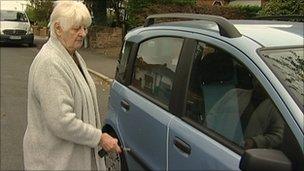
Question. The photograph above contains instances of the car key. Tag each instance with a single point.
(103, 152)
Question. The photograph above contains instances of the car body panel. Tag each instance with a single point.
(161, 141)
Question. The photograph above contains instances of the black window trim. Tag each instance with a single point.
(130, 63)
(183, 71)
(117, 77)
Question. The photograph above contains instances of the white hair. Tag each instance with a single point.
(69, 14)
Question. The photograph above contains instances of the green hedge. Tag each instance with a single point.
(283, 8)
(250, 10)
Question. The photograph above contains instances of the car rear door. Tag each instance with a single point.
(142, 106)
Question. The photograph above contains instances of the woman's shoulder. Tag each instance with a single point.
(47, 62)
(48, 57)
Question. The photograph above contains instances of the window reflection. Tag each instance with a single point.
(288, 65)
(155, 67)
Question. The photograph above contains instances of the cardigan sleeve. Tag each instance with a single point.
(54, 91)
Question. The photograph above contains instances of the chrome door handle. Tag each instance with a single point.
(125, 105)
(181, 145)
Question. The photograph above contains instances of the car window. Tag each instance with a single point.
(13, 16)
(123, 61)
(287, 64)
(155, 65)
(225, 98)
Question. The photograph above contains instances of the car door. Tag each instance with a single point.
(143, 106)
(227, 108)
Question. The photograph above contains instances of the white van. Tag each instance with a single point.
(15, 27)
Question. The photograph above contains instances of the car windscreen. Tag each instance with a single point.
(288, 66)
(7, 15)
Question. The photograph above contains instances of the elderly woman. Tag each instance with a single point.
(64, 128)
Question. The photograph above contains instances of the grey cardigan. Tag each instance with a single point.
(63, 118)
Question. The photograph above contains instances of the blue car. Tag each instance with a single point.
(207, 93)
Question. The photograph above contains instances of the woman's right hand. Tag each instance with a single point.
(109, 143)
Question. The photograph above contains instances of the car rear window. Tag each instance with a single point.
(288, 65)
(13, 16)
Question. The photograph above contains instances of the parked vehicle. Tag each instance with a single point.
(209, 94)
(15, 28)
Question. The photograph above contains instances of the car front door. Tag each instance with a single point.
(228, 107)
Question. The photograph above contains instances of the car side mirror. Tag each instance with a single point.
(265, 159)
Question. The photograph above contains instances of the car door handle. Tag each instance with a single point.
(125, 105)
(184, 147)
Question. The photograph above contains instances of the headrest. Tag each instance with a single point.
(217, 67)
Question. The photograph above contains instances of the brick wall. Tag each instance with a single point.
(105, 37)
(40, 31)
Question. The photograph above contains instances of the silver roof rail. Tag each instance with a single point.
(226, 28)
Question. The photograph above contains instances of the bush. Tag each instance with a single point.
(30, 11)
(283, 8)
(39, 11)
(250, 10)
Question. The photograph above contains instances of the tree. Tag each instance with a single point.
(119, 11)
(98, 9)
(39, 11)
(283, 8)
(133, 6)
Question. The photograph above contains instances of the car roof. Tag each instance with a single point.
(272, 33)
(265, 33)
